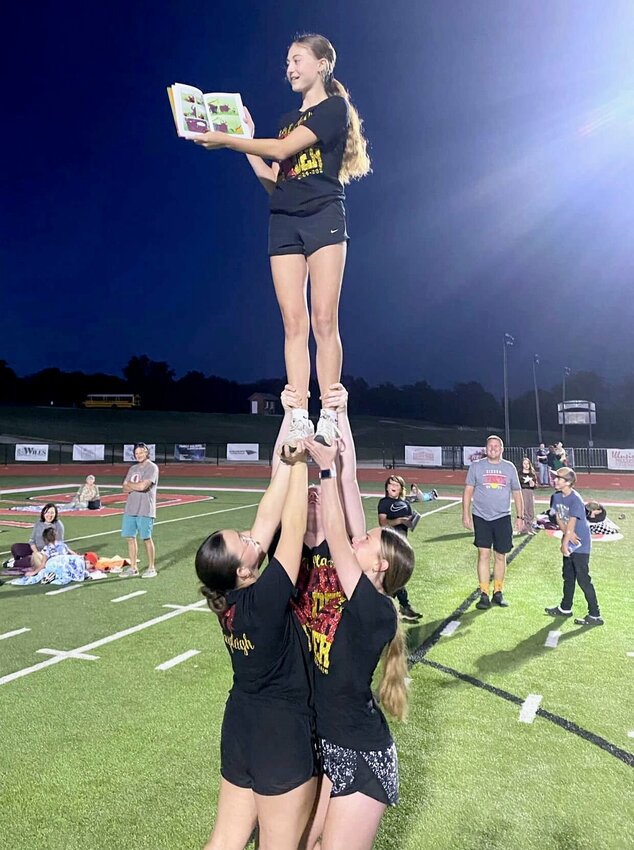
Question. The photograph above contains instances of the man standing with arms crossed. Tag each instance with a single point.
(486, 510)
(140, 509)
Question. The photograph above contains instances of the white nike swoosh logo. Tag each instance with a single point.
(334, 231)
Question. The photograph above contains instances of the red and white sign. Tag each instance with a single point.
(620, 458)
(472, 453)
(423, 455)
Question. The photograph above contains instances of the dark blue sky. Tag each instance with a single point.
(502, 138)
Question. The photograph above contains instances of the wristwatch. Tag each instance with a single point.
(324, 474)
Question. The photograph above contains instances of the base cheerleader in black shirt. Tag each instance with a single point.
(320, 148)
(359, 759)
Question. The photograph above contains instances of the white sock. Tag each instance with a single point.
(299, 413)
(328, 413)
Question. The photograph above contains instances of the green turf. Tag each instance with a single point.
(112, 754)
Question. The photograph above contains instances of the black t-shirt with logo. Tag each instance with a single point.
(309, 180)
(394, 509)
(265, 641)
(347, 713)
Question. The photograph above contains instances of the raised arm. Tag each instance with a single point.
(290, 400)
(343, 557)
(289, 549)
(337, 399)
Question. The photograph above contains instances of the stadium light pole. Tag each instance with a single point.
(567, 371)
(507, 341)
(539, 416)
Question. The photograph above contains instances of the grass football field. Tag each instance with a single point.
(103, 751)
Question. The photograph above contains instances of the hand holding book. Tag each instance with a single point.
(216, 114)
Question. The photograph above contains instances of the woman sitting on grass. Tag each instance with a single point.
(21, 553)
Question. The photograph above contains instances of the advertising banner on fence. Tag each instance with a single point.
(620, 458)
(190, 451)
(31, 451)
(128, 452)
(243, 451)
(423, 455)
(83, 451)
(472, 453)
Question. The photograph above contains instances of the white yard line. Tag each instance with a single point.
(63, 590)
(129, 596)
(14, 633)
(552, 640)
(73, 654)
(450, 628)
(630, 654)
(529, 708)
(26, 671)
(178, 659)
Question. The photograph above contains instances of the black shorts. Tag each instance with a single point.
(305, 234)
(370, 772)
(266, 745)
(496, 533)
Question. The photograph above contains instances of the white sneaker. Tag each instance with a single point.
(301, 429)
(150, 573)
(327, 432)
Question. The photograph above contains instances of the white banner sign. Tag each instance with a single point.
(30, 451)
(620, 458)
(82, 451)
(243, 451)
(423, 455)
(472, 453)
(190, 451)
(128, 452)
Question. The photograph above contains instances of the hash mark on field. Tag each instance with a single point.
(630, 654)
(529, 708)
(129, 596)
(630, 734)
(178, 659)
(60, 653)
(14, 633)
(62, 590)
(552, 640)
(194, 607)
(450, 628)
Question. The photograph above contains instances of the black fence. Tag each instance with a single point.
(387, 456)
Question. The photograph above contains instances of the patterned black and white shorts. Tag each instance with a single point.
(370, 772)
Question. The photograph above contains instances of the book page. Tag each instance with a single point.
(226, 113)
(190, 111)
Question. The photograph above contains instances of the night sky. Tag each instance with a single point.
(502, 198)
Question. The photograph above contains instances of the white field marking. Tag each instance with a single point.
(72, 654)
(194, 607)
(14, 633)
(129, 596)
(178, 659)
(160, 522)
(529, 708)
(630, 734)
(553, 639)
(630, 654)
(4, 680)
(63, 590)
(450, 628)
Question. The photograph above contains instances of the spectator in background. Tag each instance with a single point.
(396, 512)
(528, 483)
(542, 465)
(21, 553)
(416, 495)
(140, 509)
(88, 493)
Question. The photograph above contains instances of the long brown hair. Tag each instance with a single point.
(401, 559)
(356, 161)
(217, 570)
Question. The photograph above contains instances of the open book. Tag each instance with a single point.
(195, 113)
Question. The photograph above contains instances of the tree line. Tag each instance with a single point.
(467, 404)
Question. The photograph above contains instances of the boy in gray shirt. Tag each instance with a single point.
(140, 509)
(486, 510)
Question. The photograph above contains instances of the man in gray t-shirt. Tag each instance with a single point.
(486, 509)
(140, 509)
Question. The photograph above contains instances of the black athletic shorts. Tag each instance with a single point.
(267, 746)
(496, 533)
(370, 772)
(305, 234)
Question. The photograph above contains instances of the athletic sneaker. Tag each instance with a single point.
(483, 602)
(498, 599)
(416, 518)
(150, 573)
(408, 613)
(48, 578)
(589, 621)
(130, 572)
(434, 494)
(327, 432)
(556, 611)
(301, 429)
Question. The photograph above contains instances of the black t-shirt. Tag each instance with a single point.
(347, 713)
(394, 509)
(309, 180)
(264, 641)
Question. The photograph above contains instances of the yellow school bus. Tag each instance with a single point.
(126, 400)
